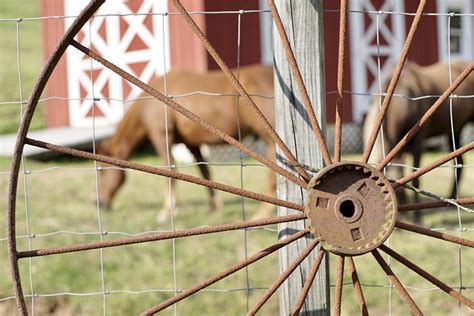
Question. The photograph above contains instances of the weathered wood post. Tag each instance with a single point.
(303, 21)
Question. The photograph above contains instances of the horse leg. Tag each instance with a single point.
(119, 147)
(158, 139)
(266, 210)
(216, 201)
(416, 182)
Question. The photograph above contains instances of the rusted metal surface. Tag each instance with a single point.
(398, 285)
(352, 208)
(357, 287)
(279, 281)
(340, 81)
(416, 128)
(435, 234)
(338, 290)
(308, 283)
(456, 295)
(38, 89)
(433, 204)
(318, 134)
(246, 97)
(164, 172)
(393, 81)
(159, 236)
(225, 273)
(433, 165)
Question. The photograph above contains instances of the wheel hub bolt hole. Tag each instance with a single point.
(347, 209)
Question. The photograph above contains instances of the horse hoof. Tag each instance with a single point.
(104, 206)
(216, 204)
(163, 217)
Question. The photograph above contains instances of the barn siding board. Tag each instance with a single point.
(186, 50)
(221, 30)
(424, 50)
(331, 44)
(188, 53)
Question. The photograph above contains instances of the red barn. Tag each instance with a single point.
(141, 37)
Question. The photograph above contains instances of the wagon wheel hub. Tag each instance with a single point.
(352, 208)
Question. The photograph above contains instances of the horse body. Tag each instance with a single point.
(402, 114)
(149, 118)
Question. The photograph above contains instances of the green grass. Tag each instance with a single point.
(62, 199)
(31, 61)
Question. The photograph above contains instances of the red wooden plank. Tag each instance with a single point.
(424, 50)
(56, 111)
(331, 35)
(186, 50)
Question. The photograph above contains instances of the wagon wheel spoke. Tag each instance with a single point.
(166, 173)
(433, 165)
(307, 284)
(340, 81)
(248, 100)
(428, 232)
(398, 285)
(338, 290)
(416, 128)
(278, 282)
(299, 82)
(448, 201)
(442, 286)
(434, 204)
(160, 236)
(393, 81)
(357, 287)
(190, 115)
(213, 279)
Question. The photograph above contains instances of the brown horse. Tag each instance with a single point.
(146, 118)
(403, 113)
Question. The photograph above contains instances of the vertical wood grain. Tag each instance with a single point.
(304, 25)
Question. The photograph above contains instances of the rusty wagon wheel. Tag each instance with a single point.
(350, 197)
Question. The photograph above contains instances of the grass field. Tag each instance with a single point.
(60, 200)
(30, 60)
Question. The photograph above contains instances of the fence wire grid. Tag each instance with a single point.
(220, 160)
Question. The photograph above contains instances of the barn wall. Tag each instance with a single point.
(55, 111)
(424, 49)
(331, 43)
(187, 52)
(186, 49)
(222, 32)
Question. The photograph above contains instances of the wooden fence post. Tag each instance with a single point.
(303, 21)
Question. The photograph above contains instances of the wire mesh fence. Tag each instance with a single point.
(103, 278)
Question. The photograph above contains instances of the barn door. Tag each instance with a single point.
(367, 19)
(136, 43)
